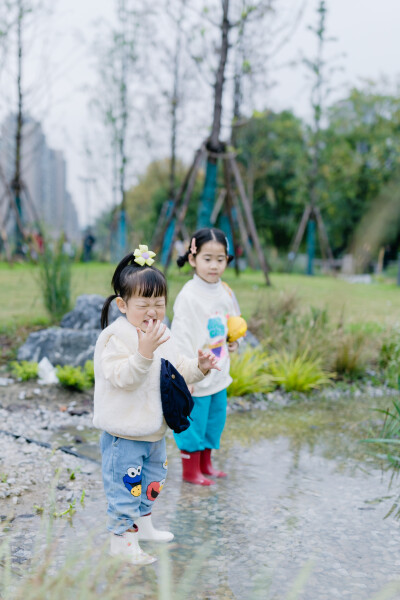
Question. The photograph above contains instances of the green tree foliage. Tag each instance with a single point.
(274, 164)
(361, 154)
(145, 200)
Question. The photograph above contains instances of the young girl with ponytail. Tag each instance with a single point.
(201, 311)
(127, 401)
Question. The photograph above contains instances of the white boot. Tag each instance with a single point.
(127, 546)
(149, 533)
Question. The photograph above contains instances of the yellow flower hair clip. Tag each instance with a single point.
(144, 256)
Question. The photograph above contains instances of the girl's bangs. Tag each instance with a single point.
(150, 283)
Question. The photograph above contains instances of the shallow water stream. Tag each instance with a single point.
(300, 516)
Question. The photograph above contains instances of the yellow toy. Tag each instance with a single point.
(237, 328)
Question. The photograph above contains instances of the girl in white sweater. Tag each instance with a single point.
(127, 401)
(201, 311)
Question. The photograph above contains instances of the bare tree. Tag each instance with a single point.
(320, 70)
(233, 17)
(117, 62)
(22, 23)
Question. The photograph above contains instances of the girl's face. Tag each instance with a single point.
(139, 310)
(210, 262)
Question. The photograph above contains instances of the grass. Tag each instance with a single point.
(21, 301)
(367, 310)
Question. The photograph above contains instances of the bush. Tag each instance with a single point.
(24, 370)
(350, 356)
(389, 358)
(345, 350)
(249, 374)
(257, 372)
(297, 373)
(55, 278)
(76, 377)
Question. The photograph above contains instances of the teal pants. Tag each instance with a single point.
(209, 416)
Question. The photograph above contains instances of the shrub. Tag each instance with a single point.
(350, 355)
(389, 358)
(76, 377)
(285, 328)
(24, 370)
(298, 373)
(89, 371)
(249, 373)
(55, 278)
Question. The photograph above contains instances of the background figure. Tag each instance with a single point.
(88, 242)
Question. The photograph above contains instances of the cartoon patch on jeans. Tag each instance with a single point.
(133, 480)
(154, 488)
(217, 332)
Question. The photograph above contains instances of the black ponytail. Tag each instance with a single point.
(104, 310)
(200, 237)
(129, 279)
(181, 260)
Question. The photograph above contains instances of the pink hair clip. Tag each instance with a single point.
(193, 248)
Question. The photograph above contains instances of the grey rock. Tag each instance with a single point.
(87, 312)
(61, 346)
(73, 342)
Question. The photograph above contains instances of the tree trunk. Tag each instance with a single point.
(210, 184)
(122, 133)
(17, 183)
(220, 78)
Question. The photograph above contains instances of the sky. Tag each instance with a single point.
(367, 45)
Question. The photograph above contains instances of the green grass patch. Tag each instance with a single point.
(24, 370)
(249, 374)
(298, 373)
(378, 303)
(76, 377)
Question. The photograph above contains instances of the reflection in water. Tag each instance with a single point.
(300, 491)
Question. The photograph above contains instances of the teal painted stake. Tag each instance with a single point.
(310, 246)
(398, 270)
(208, 196)
(122, 235)
(18, 233)
(225, 225)
(168, 235)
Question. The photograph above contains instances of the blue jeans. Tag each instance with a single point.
(134, 473)
(209, 416)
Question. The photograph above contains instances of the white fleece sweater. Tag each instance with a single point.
(201, 311)
(127, 399)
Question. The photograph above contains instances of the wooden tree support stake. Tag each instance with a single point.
(250, 221)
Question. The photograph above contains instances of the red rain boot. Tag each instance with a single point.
(191, 469)
(206, 464)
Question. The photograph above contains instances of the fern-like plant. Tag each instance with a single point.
(297, 373)
(249, 373)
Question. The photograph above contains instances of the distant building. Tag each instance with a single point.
(44, 174)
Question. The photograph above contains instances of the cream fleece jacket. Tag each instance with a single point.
(127, 399)
(201, 311)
